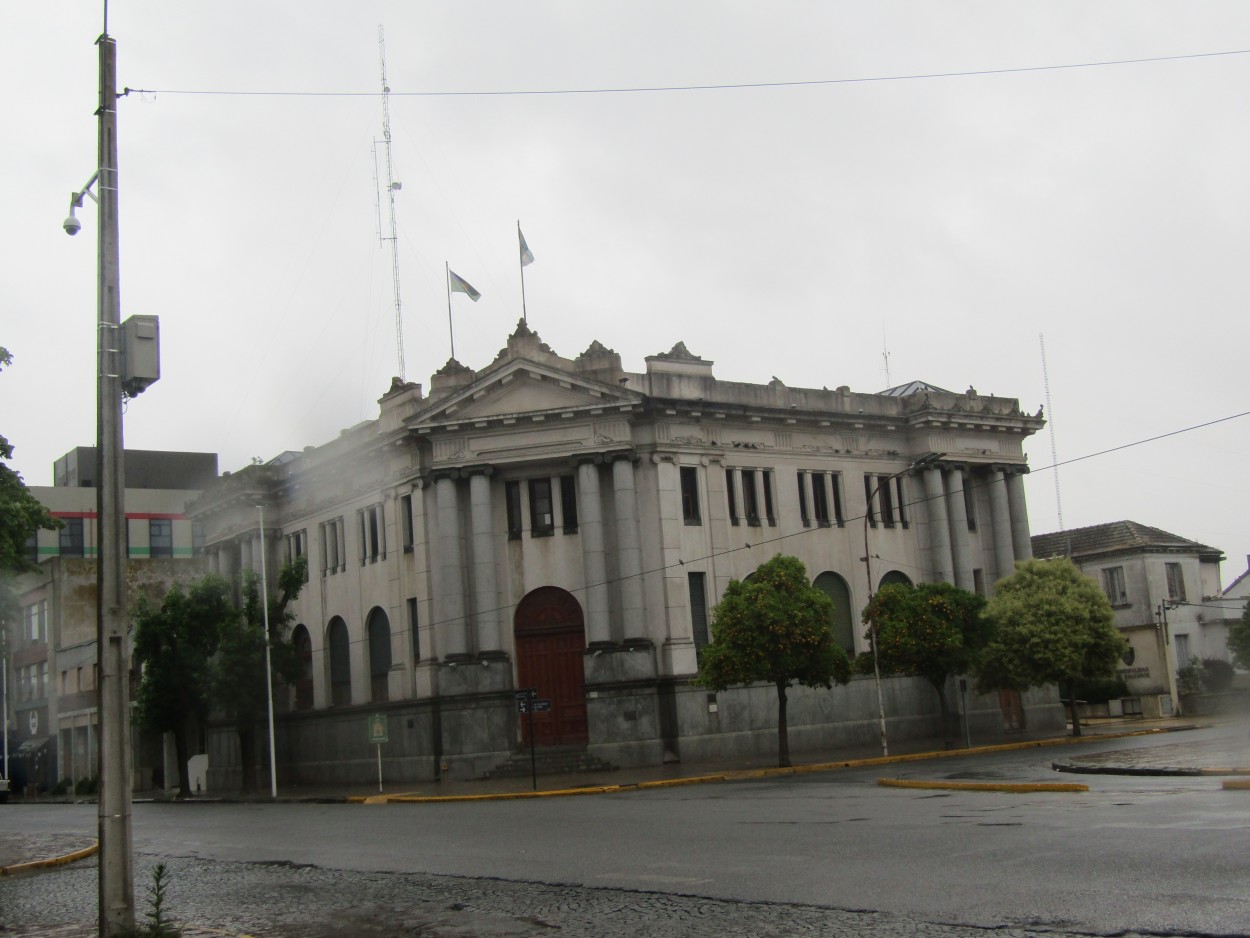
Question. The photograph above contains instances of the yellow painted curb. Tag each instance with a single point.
(501, 796)
(54, 861)
(1237, 784)
(983, 786)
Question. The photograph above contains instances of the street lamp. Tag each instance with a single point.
(924, 460)
(116, 889)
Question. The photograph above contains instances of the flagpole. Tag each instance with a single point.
(450, 331)
(524, 316)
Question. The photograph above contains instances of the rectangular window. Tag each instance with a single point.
(333, 557)
(770, 513)
(732, 495)
(887, 500)
(690, 495)
(71, 537)
(870, 512)
(412, 627)
(978, 581)
(542, 516)
(1113, 585)
(512, 498)
(568, 504)
(820, 499)
(970, 507)
(1176, 581)
(750, 498)
(900, 500)
(197, 539)
(835, 479)
(160, 537)
(405, 522)
(30, 550)
(806, 518)
(698, 609)
(370, 527)
(296, 546)
(32, 623)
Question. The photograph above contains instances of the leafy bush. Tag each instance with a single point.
(60, 787)
(1217, 675)
(1101, 691)
(1189, 678)
(87, 786)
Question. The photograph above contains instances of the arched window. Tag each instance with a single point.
(340, 663)
(842, 620)
(304, 682)
(379, 653)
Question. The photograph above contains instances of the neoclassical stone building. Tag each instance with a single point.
(568, 526)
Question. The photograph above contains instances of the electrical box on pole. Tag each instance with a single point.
(141, 353)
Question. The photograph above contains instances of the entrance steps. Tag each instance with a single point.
(550, 760)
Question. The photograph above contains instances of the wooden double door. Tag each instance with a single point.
(550, 646)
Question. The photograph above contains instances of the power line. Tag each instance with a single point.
(723, 86)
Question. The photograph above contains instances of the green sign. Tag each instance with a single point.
(377, 729)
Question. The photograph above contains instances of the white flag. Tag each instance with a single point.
(460, 285)
(527, 256)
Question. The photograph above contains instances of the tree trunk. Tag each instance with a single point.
(247, 758)
(181, 757)
(1076, 717)
(783, 731)
(948, 737)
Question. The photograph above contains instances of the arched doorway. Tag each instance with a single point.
(379, 629)
(550, 644)
(304, 681)
(339, 663)
(895, 576)
(842, 621)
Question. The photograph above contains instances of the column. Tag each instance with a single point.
(214, 560)
(961, 544)
(1000, 515)
(628, 550)
(740, 506)
(245, 554)
(485, 594)
(451, 626)
(939, 526)
(1021, 543)
(590, 528)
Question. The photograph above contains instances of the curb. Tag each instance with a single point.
(51, 862)
(1022, 787)
(774, 772)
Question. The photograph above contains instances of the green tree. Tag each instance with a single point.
(1054, 626)
(1239, 638)
(934, 630)
(775, 629)
(21, 515)
(173, 642)
(238, 679)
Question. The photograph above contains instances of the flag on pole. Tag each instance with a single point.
(527, 256)
(459, 285)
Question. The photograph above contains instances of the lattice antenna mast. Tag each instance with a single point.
(392, 186)
(1050, 416)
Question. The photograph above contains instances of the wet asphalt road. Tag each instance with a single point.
(822, 854)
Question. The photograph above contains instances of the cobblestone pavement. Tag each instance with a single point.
(279, 900)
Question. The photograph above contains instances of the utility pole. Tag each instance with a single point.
(117, 907)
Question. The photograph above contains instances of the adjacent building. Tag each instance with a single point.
(53, 689)
(563, 526)
(1163, 589)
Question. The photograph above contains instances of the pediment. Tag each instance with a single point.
(523, 388)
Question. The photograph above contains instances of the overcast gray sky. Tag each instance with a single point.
(795, 230)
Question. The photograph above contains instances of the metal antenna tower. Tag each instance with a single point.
(1050, 416)
(392, 186)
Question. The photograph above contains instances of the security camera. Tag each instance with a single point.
(71, 225)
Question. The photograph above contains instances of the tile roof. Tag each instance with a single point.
(1113, 538)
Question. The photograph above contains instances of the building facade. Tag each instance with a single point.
(1165, 592)
(53, 690)
(565, 526)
